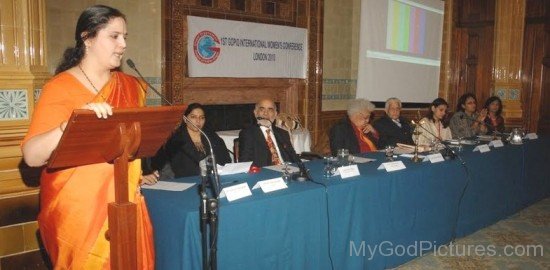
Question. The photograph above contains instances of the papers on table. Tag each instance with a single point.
(169, 186)
(464, 142)
(357, 159)
(485, 138)
(407, 148)
(233, 168)
(279, 168)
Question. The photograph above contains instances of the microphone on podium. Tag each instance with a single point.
(133, 66)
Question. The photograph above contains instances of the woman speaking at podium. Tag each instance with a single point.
(73, 202)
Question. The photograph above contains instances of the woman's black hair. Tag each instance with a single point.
(188, 111)
(191, 107)
(89, 23)
(462, 101)
(437, 102)
(491, 100)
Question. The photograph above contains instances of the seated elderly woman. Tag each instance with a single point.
(466, 122)
(354, 132)
(434, 127)
(392, 127)
(187, 147)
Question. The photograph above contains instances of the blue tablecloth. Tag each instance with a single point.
(282, 229)
(357, 223)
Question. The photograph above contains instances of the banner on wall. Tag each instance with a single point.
(223, 48)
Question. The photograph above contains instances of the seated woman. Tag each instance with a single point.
(466, 122)
(494, 121)
(354, 132)
(186, 147)
(434, 126)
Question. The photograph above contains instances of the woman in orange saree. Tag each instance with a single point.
(73, 202)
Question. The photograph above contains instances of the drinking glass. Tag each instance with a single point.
(389, 152)
(343, 156)
(328, 170)
(286, 172)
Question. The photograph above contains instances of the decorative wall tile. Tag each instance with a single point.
(501, 93)
(513, 94)
(36, 94)
(339, 89)
(13, 104)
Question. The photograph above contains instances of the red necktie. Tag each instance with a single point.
(274, 156)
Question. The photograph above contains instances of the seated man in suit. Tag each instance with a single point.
(392, 127)
(265, 144)
(354, 132)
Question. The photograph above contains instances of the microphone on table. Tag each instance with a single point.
(449, 151)
(216, 185)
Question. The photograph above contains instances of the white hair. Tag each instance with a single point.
(359, 105)
(390, 100)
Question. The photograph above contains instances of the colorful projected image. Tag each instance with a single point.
(406, 28)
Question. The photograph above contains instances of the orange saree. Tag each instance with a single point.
(73, 202)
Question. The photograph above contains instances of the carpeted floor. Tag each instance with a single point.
(521, 241)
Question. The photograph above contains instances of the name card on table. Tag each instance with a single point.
(349, 171)
(496, 143)
(482, 148)
(532, 136)
(434, 158)
(392, 166)
(236, 192)
(270, 185)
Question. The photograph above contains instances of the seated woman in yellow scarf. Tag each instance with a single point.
(73, 201)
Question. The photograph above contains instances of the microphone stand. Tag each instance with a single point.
(211, 210)
(463, 163)
(416, 159)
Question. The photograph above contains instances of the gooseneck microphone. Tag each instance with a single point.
(216, 183)
(133, 66)
(453, 153)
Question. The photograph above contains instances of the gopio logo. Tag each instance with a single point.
(205, 47)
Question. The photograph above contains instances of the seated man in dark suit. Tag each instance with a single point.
(354, 132)
(392, 127)
(265, 144)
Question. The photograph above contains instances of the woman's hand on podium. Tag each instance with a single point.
(101, 109)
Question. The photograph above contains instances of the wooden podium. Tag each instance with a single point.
(126, 135)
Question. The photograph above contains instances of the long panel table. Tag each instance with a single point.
(338, 223)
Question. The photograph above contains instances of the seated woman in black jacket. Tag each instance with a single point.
(494, 120)
(354, 132)
(186, 147)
